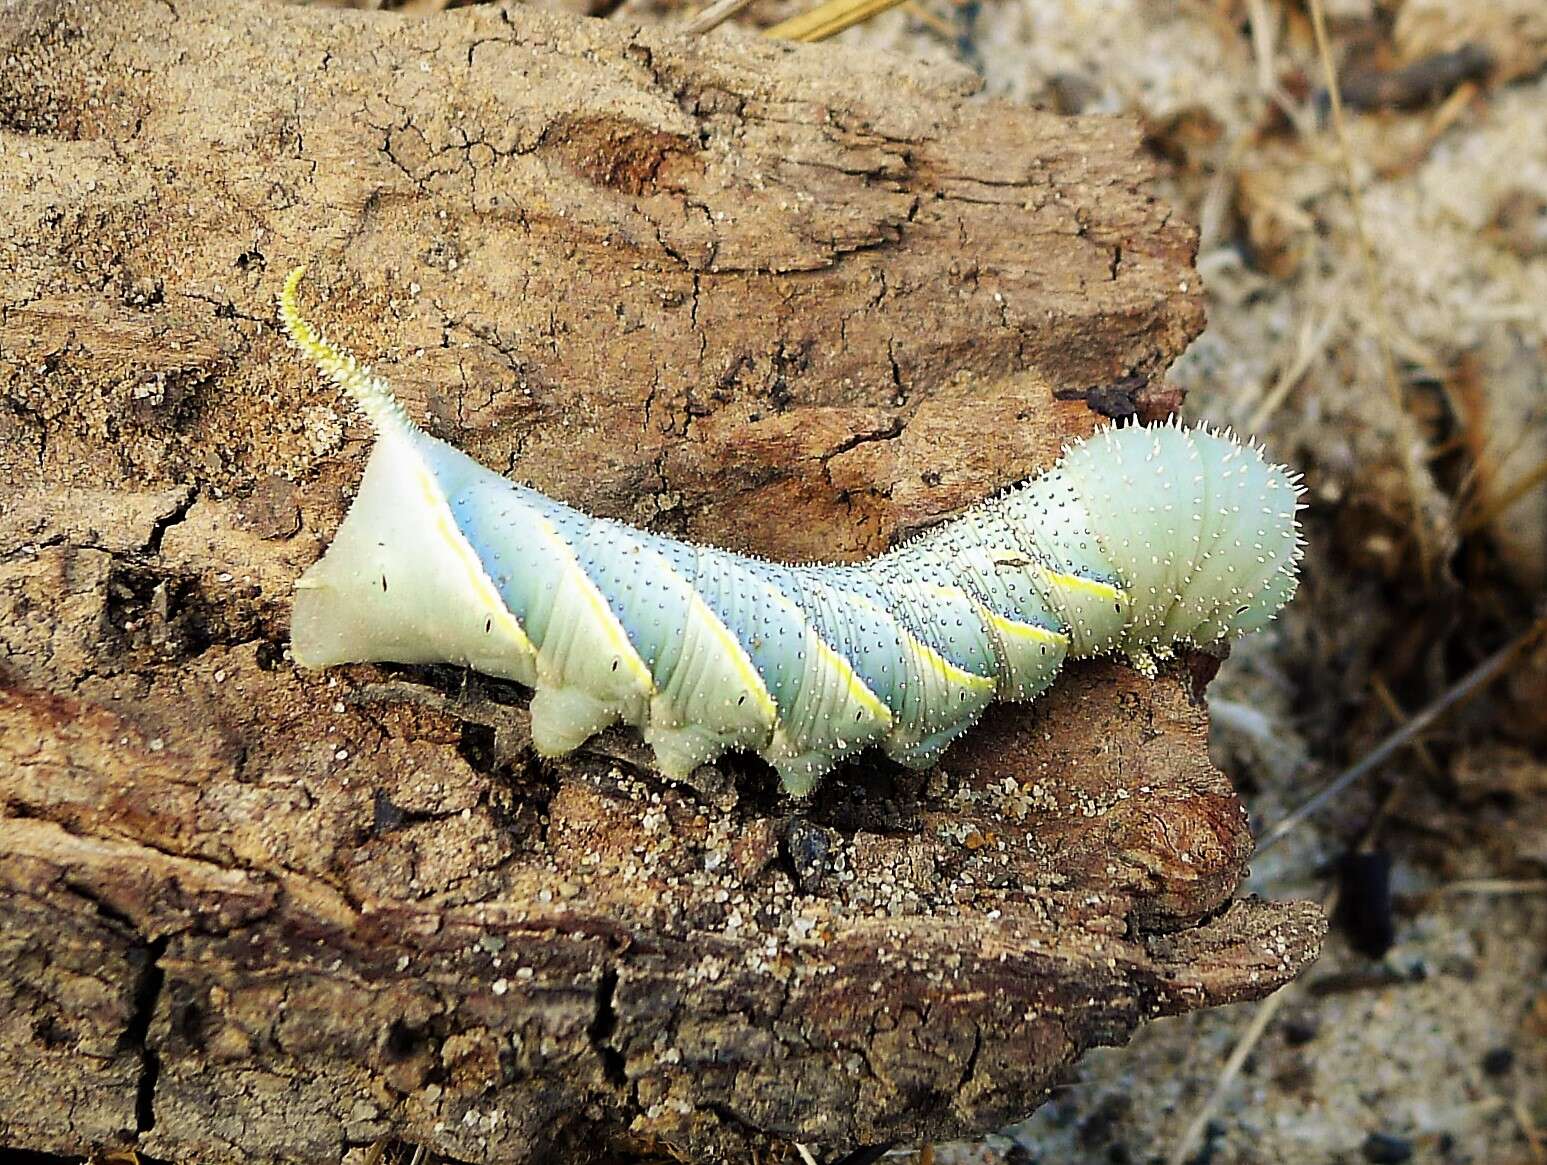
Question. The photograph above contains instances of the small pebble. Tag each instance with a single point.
(810, 850)
(1498, 1061)
(1300, 1030)
(1386, 1149)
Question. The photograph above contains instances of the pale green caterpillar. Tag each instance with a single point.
(1138, 539)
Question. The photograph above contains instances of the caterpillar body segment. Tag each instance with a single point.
(422, 600)
(1137, 539)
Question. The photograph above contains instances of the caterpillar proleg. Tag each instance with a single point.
(1137, 539)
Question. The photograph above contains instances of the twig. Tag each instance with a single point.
(1372, 279)
(1505, 499)
(1528, 1129)
(1440, 74)
(1312, 343)
(1496, 886)
(934, 20)
(1250, 1038)
(1399, 716)
(1473, 682)
(714, 15)
(1266, 1010)
(828, 19)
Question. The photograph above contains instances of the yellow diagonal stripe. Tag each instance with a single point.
(1074, 582)
(858, 690)
(478, 578)
(617, 638)
(1014, 629)
(728, 642)
(947, 670)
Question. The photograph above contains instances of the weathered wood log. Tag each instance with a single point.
(791, 301)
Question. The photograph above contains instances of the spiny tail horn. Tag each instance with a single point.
(370, 393)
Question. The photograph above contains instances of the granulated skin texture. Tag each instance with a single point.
(1136, 540)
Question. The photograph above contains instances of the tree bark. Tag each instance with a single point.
(792, 301)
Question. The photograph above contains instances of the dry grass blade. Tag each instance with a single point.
(1506, 497)
(1496, 886)
(828, 19)
(1528, 1129)
(1266, 1010)
(1399, 716)
(714, 15)
(1409, 455)
(1313, 340)
(1250, 1038)
(932, 20)
(1469, 685)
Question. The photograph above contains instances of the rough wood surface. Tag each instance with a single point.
(791, 301)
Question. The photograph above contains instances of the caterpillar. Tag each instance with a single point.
(1137, 539)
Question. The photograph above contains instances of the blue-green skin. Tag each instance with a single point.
(1138, 539)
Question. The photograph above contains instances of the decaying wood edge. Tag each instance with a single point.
(716, 287)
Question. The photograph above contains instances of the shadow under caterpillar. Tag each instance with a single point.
(1139, 538)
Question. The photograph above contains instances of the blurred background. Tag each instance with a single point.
(1375, 262)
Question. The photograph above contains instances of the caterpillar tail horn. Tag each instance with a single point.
(369, 393)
